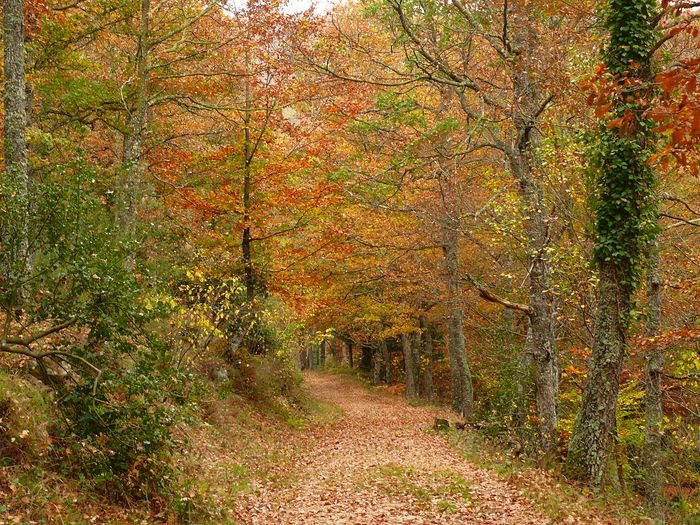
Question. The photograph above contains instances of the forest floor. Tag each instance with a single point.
(379, 463)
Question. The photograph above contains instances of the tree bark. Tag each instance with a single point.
(594, 427)
(541, 344)
(14, 234)
(377, 359)
(460, 374)
(322, 353)
(417, 351)
(386, 360)
(246, 241)
(653, 452)
(427, 351)
(409, 366)
(345, 359)
(625, 209)
(528, 103)
(129, 187)
(366, 358)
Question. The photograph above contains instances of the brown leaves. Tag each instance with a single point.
(377, 465)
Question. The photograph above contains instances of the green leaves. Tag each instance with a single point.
(624, 203)
(632, 33)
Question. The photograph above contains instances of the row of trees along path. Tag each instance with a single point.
(378, 464)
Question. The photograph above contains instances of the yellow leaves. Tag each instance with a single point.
(153, 301)
(195, 275)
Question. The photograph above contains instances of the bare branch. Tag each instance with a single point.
(26, 342)
(488, 295)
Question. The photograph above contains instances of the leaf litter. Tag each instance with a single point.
(378, 464)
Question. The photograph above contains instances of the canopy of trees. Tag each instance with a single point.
(493, 203)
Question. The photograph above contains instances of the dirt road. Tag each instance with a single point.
(379, 464)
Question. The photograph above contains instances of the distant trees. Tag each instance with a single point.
(501, 114)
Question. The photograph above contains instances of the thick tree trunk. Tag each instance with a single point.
(625, 208)
(528, 104)
(14, 234)
(409, 366)
(427, 351)
(654, 439)
(460, 374)
(593, 431)
(541, 344)
(523, 162)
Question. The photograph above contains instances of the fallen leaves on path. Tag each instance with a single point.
(378, 465)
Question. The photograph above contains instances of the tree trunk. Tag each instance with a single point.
(416, 352)
(460, 375)
(14, 234)
(541, 344)
(427, 350)
(654, 441)
(129, 188)
(386, 359)
(409, 366)
(595, 424)
(625, 211)
(522, 157)
(246, 241)
(322, 354)
(345, 359)
(377, 366)
(366, 359)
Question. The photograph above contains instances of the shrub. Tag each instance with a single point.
(267, 379)
(121, 438)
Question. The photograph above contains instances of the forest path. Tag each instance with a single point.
(377, 465)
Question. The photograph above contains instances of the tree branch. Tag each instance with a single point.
(26, 342)
(488, 295)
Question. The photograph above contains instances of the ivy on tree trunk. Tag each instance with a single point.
(625, 224)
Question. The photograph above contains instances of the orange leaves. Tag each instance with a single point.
(601, 110)
(677, 112)
(602, 91)
(667, 339)
(676, 108)
(625, 123)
